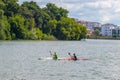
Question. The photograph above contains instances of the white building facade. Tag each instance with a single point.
(116, 31)
(106, 31)
(110, 30)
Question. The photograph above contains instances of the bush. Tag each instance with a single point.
(48, 37)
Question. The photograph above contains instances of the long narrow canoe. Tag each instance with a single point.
(73, 59)
(70, 59)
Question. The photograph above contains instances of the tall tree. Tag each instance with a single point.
(50, 28)
(4, 29)
(68, 29)
(12, 7)
(18, 29)
(96, 33)
(55, 12)
(2, 5)
(32, 10)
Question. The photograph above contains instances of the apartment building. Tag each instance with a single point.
(116, 31)
(105, 29)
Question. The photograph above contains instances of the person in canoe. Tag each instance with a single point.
(74, 57)
(54, 55)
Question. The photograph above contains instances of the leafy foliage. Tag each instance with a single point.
(4, 29)
(96, 33)
(29, 21)
(55, 12)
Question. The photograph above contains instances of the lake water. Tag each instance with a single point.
(19, 60)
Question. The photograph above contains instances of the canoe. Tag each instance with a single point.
(73, 59)
(70, 59)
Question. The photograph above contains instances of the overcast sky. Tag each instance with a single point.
(103, 11)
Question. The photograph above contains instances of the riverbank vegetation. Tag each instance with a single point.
(29, 21)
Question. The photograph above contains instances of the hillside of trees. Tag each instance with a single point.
(29, 21)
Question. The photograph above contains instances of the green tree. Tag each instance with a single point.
(32, 10)
(2, 5)
(96, 33)
(4, 29)
(29, 21)
(50, 28)
(55, 12)
(39, 34)
(11, 7)
(35, 34)
(2, 35)
(83, 31)
(68, 29)
(1, 13)
(17, 27)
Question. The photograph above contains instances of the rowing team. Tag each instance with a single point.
(72, 57)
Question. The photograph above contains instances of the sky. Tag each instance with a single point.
(102, 11)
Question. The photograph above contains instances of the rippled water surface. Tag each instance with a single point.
(19, 60)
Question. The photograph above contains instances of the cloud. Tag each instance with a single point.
(101, 10)
(92, 10)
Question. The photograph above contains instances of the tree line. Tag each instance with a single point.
(29, 21)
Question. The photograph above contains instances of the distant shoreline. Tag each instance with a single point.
(20, 40)
(106, 38)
